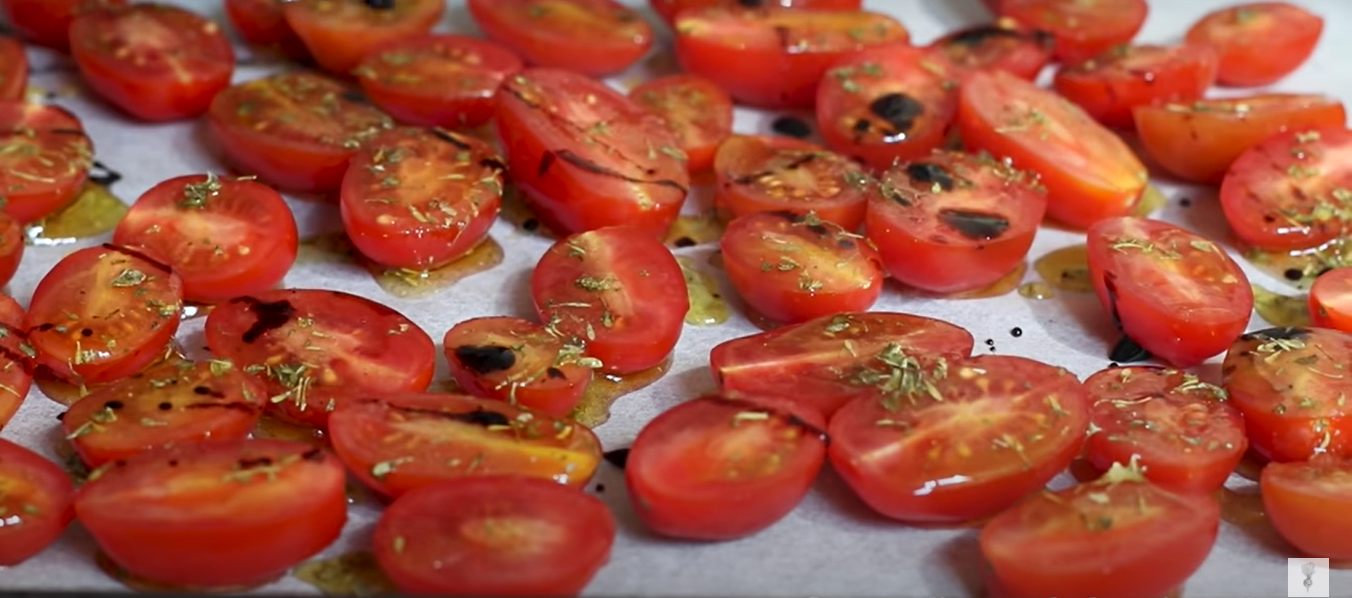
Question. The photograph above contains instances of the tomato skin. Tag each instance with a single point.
(48, 144)
(518, 361)
(782, 174)
(262, 23)
(1330, 297)
(668, 9)
(1258, 42)
(11, 248)
(37, 499)
(467, 70)
(1307, 502)
(1276, 193)
(47, 22)
(1002, 45)
(15, 368)
(596, 38)
(697, 109)
(1111, 84)
(1081, 29)
(13, 69)
(339, 34)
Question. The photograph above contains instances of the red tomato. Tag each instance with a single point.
(1289, 191)
(11, 248)
(437, 80)
(47, 22)
(1089, 172)
(518, 361)
(696, 109)
(35, 495)
(15, 377)
(668, 9)
(155, 61)
(1187, 438)
(718, 469)
(294, 130)
(818, 366)
(1310, 504)
(494, 536)
(103, 313)
(1082, 29)
(774, 57)
(954, 222)
(1112, 538)
(587, 157)
(399, 443)
(216, 514)
(1259, 42)
(591, 37)
(1002, 45)
(616, 291)
(1111, 84)
(950, 444)
(339, 33)
(44, 159)
(316, 348)
(223, 237)
(790, 268)
(1288, 382)
(1331, 300)
(1197, 142)
(882, 105)
(783, 174)
(13, 69)
(262, 23)
(1176, 294)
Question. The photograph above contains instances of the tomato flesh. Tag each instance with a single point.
(1082, 28)
(1002, 45)
(1331, 300)
(13, 69)
(783, 174)
(36, 496)
(1258, 42)
(262, 23)
(15, 375)
(1111, 84)
(339, 33)
(1307, 502)
(518, 361)
(437, 80)
(45, 157)
(696, 109)
(592, 37)
(47, 22)
(1292, 190)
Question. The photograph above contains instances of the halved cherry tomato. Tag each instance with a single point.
(494, 536)
(668, 9)
(44, 159)
(953, 221)
(437, 80)
(294, 130)
(591, 37)
(720, 469)
(616, 291)
(519, 361)
(35, 495)
(774, 57)
(1089, 172)
(1331, 300)
(587, 157)
(1117, 537)
(103, 313)
(1260, 42)
(15, 377)
(696, 109)
(820, 365)
(1292, 190)
(11, 248)
(1290, 385)
(1310, 504)
(783, 174)
(1082, 29)
(945, 444)
(1187, 438)
(262, 23)
(216, 514)
(154, 61)
(396, 443)
(47, 22)
(1176, 294)
(1198, 142)
(339, 33)
(223, 237)
(1109, 85)
(316, 348)
(13, 69)
(1002, 45)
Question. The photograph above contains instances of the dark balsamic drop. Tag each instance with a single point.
(485, 359)
(1185, 202)
(975, 225)
(114, 405)
(1128, 351)
(1016, 332)
(990, 342)
(530, 225)
(898, 110)
(101, 174)
(270, 316)
(554, 373)
(617, 457)
(1293, 274)
(791, 126)
(482, 417)
(684, 242)
(925, 173)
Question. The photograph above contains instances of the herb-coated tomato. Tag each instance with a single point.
(1186, 437)
(1258, 42)
(697, 109)
(668, 9)
(13, 69)
(11, 247)
(519, 361)
(955, 443)
(421, 198)
(882, 105)
(437, 80)
(1197, 142)
(15, 377)
(783, 174)
(494, 536)
(774, 57)
(616, 291)
(294, 130)
(1111, 84)
(262, 23)
(154, 61)
(216, 514)
(718, 469)
(587, 157)
(1331, 300)
(44, 159)
(592, 37)
(820, 365)
(954, 222)
(35, 495)
(315, 348)
(1117, 537)
(1089, 172)
(1176, 294)
(1292, 190)
(223, 237)
(790, 268)
(47, 22)
(1082, 28)
(1310, 504)
(103, 313)
(1291, 385)
(339, 33)
(1002, 45)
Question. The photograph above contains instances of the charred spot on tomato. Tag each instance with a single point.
(269, 316)
(208, 391)
(85, 332)
(791, 126)
(485, 359)
(450, 138)
(46, 326)
(979, 35)
(1128, 351)
(481, 417)
(751, 3)
(546, 161)
(976, 226)
(1284, 333)
(313, 454)
(101, 174)
(928, 173)
(165, 406)
(898, 110)
(571, 157)
(617, 457)
(114, 405)
(555, 373)
(356, 97)
(380, 4)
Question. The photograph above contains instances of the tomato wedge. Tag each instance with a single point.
(340, 33)
(262, 23)
(437, 80)
(11, 248)
(1291, 191)
(592, 37)
(696, 109)
(15, 377)
(45, 157)
(1111, 84)
(1308, 503)
(13, 69)
(1331, 300)
(36, 496)
(668, 9)
(783, 174)
(47, 22)
(1082, 28)
(1258, 42)
(518, 361)
(1001, 45)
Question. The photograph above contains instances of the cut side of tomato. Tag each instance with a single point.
(1111, 84)
(696, 109)
(36, 496)
(783, 174)
(1308, 503)
(11, 248)
(1331, 300)
(592, 37)
(1292, 190)
(518, 361)
(45, 157)
(1082, 28)
(262, 23)
(1002, 45)
(47, 22)
(15, 375)
(437, 80)
(13, 69)
(1258, 42)
(339, 33)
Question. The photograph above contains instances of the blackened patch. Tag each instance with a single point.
(114, 404)
(594, 168)
(101, 174)
(555, 373)
(600, 488)
(927, 173)
(208, 391)
(1286, 333)
(165, 406)
(979, 35)
(380, 4)
(450, 138)
(898, 110)
(546, 161)
(481, 417)
(975, 225)
(791, 126)
(485, 359)
(617, 457)
(1128, 351)
(356, 97)
(1293, 274)
(85, 332)
(751, 3)
(269, 316)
